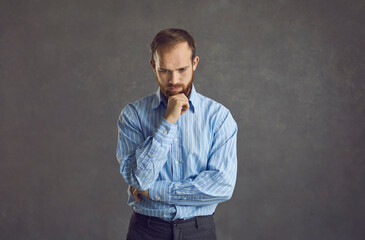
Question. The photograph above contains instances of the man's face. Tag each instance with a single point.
(174, 69)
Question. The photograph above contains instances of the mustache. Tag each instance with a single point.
(175, 85)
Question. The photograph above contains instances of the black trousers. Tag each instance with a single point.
(143, 227)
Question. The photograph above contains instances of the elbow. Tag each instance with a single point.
(229, 196)
(229, 192)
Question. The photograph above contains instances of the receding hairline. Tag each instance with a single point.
(169, 38)
(169, 47)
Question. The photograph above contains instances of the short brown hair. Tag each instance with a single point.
(171, 37)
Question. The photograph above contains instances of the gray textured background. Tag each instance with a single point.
(291, 72)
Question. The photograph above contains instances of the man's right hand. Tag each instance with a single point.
(177, 105)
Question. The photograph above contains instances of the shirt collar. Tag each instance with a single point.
(158, 99)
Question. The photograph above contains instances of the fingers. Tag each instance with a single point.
(177, 105)
(137, 196)
(185, 105)
(179, 97)
(184, 108)
(135, 193)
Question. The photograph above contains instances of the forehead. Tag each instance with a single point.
(174, 56)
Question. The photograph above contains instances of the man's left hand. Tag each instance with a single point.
(137, 194)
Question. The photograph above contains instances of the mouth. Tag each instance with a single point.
(175, 89)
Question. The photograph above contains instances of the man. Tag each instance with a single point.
(176, 148)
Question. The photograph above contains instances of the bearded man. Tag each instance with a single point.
(176, 148)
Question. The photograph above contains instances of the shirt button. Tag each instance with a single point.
(150, 155)
(164, 132)
(158, 198)
(177, 162)
(175, 139)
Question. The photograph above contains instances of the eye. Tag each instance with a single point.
(182, 69)
(162, 70)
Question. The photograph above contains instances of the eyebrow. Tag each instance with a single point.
(175, 69)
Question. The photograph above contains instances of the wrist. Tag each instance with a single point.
(170, 119)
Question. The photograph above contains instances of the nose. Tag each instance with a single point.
(174, 78)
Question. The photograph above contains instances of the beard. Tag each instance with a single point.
(186, 89)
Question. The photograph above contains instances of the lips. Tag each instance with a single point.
(175, 89)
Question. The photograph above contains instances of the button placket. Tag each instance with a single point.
(174, 156)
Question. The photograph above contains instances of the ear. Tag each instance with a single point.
(195, 62)
(153, 65)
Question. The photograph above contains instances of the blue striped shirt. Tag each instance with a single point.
(188, 167)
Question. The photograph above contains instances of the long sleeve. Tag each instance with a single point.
(187, 167)
(213, 185)
(142, 159)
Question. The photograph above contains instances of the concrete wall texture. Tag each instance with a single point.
(291, 72)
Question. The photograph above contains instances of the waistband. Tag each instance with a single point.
(194, 221)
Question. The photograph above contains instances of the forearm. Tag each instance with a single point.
(208, 188)
(141, 164)
(214, 185)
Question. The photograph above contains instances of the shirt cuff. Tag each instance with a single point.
(166, 132)
(159, 191)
